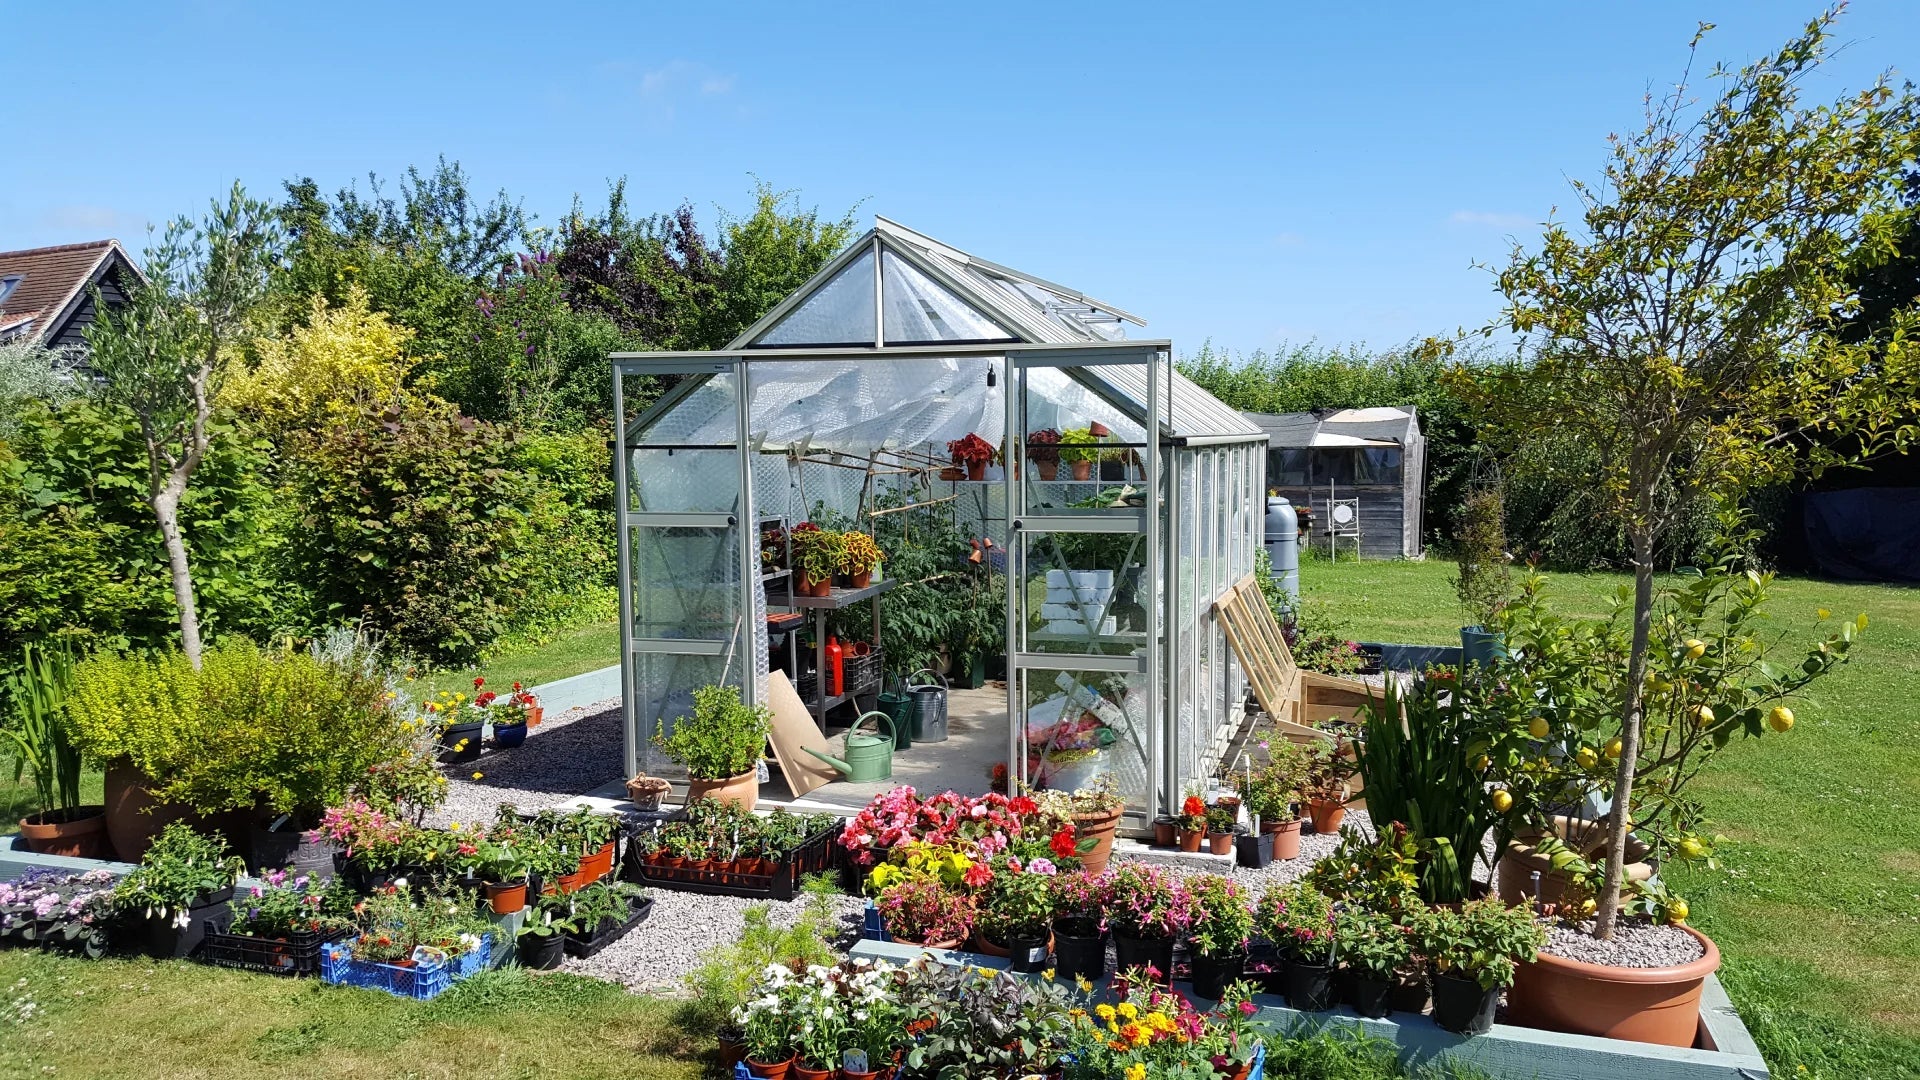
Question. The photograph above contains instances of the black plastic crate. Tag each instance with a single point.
(296, 955)
(780, 881)
(582, 945)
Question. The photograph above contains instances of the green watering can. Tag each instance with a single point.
(869, 757)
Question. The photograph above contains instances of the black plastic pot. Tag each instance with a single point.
(1027, 953)
(1410, 995)
(165, 939)
(1252, 850)
(1079, 955)
(1310, 986)
(542, 952)
(454, 736)
(1371, 997)
(288, 848)
(1212, 974)
(1154, 952)
(1462, 1005)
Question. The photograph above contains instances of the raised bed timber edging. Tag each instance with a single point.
(1506, 1052)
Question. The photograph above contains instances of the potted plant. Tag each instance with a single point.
(1079, 449)
(1191, 824)
(766, 1025)
(43, 743)
(720, 744)
(1482, 581)
(1150, 908)
(1374, 948)
(1472, 954)
(1271, 793)
(1326, 786)
(1298, 919)
(58, 909)
(923, 910)
(1096, 811)
(1016, 914)
(510, 716)
(1043, 449)
(1222, 818)
(179, 890)
(1222, 923)
(460, 722)
(543, 940)
(972, 453)
(503, 874)
(645, 792)
(859, 558)
(817, 556)
(1080, 900)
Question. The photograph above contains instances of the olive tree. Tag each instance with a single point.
(1685, 330)
(161, 355)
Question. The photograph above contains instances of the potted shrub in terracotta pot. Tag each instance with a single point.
(817, 556)
(1326, 785)
(1221, 821)
(859, 558)
(1270, 793)
(972, 453)
(1191, 823)
(1043, 449)
(1472, 954)
(720, 744)
(43, 744)
(1095, 810)
(1079, 449)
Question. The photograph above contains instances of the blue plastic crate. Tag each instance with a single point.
(871, 927)
(419, 982)
(477, 961)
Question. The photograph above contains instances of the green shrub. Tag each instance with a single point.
(724, 737)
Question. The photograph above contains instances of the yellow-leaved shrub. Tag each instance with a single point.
(343, 359)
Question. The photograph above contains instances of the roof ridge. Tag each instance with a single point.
(56, 248)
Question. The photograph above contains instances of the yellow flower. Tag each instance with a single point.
(1104, 1011)
(1136, 1071)
(477, 775)
(1086, 984)
(1128, 1010)
(1047, 975)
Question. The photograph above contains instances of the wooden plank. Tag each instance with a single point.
(794, 733)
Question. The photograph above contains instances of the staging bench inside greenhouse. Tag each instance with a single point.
(846, 399)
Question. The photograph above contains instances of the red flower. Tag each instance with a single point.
(1193, 806)
(478, 682)
(978, 874)
(1023, 806)
(516, 686)
(1063, 844)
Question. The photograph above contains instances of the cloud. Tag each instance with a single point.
(91, 219)
(664, 89)
(1491, 219)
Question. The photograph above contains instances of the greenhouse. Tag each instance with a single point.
(893, 382)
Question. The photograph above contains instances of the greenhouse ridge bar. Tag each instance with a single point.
(896, 347)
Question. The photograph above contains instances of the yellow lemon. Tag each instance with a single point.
(1696, 648)
(1502, 801)
(1658, 685)
(1781, 718)
(1482, 763)
(1615, 748)
(1677, 912)
(1586, 757)
(1538, 728)
(1703, 715)
(1691, 848)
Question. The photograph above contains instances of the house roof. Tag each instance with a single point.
(1332, 429)
(53, 282)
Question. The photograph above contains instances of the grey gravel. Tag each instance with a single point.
(1313, 848)
(655, 957)
(1636, 943)
(567, 755)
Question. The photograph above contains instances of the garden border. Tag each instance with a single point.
(1507, 1051)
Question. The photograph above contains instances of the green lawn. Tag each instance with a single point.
(1817, 905)
(573, 651)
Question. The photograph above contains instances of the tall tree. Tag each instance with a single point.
(161, 356)
(1685, 331)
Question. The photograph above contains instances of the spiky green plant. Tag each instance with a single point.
(1417, 763)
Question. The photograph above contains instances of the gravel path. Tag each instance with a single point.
(1636, 943)
(1313, 848)
(567, 755)
(656, 956)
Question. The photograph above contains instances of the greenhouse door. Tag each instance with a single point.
(683, 498)
(1084, 577)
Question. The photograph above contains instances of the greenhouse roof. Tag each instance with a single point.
(901, 296)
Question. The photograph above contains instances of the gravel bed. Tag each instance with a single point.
(1313, 848)
(655, 956)
(1636, 943)
(567, 755)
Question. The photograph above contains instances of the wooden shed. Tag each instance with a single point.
(1375, 457)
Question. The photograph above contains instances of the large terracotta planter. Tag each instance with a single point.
(1101, 827)
(1327, 814)
(134, 816)
(742, 790)
(1286, 838)
(81, 834)
(1650, 1005)
(1514, 880)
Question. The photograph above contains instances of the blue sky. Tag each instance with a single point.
(1246, 173)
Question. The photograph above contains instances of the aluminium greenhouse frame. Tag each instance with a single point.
(1193, 518)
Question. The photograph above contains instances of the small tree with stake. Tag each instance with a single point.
(161, 356)
(1688, 334)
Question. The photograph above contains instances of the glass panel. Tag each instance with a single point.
(1287, 468)
(663, 688)
(683, 481)
(916, 309)
(1084, 592)
(1083, 724)
(686, 583)
(840, 313)
(1104, 471)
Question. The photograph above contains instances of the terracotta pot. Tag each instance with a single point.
(1652, 1005)
(976, 470)
(672, 862)
(505, 898)
(761, 1070)
(952, 472)
(535, 713)
(600, 863)
(1101, 827)
(806, 1072)
(1236, 1072)
(954, 944)
(732, 1050)
(981, 944)
(1588, 838)
(742, 790)
(864, 1074)
(134, 816)
(1163, 832)
(1286, 838)
(1083, 470)
(860, 580)
(81, 834)
(1190, 839)
(1327, 814)
(1047, 470)
(1220, 843)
